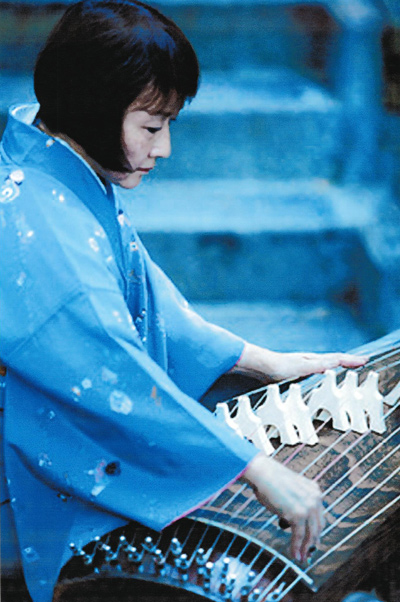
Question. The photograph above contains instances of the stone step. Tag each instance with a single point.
(225, 35)
(263, 124)
(233, 35)
(256, 240)
(248, 205)
(303, 241)
(287, 326)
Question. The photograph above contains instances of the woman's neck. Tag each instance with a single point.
(75, 146)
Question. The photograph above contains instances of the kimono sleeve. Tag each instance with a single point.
(84, 395)
(199, 352)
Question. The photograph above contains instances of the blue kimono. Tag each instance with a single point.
(104, 362)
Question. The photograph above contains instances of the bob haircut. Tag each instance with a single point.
(100, 58)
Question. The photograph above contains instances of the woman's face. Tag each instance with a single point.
(145, 138)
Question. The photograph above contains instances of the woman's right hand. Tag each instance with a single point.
(293, 497)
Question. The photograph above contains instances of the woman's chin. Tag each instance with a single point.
(127, 181)
(129, 185)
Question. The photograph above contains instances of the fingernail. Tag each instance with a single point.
(283, 523)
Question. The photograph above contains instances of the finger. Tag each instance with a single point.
(311, 538)
(298, 535)
(284, 524)
(348, 360)
(321, 518)
(327, 361)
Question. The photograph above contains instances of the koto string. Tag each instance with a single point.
(335, 484)
(298, 448)
(301, 446)
(360, 527)
(354, 467)
(377, 514)
(324, 452)
(307, 391)
(359, 462)
(355, 485)
(282, 593)
(354, 507)
(330, 489)
(362, 501)
(259, 512)
(329, 448)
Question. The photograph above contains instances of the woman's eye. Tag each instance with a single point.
(153, 130)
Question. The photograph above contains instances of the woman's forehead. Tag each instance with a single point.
(153, 101)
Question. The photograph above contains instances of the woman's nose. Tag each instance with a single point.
(162, 146)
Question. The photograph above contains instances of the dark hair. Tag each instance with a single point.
(99, 58)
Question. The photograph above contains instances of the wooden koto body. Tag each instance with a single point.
(233, 548)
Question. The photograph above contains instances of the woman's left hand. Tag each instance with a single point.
(271, 366)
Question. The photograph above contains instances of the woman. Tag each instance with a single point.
(104, 357)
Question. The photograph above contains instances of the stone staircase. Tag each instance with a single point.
(266, 214)
(263, 214)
